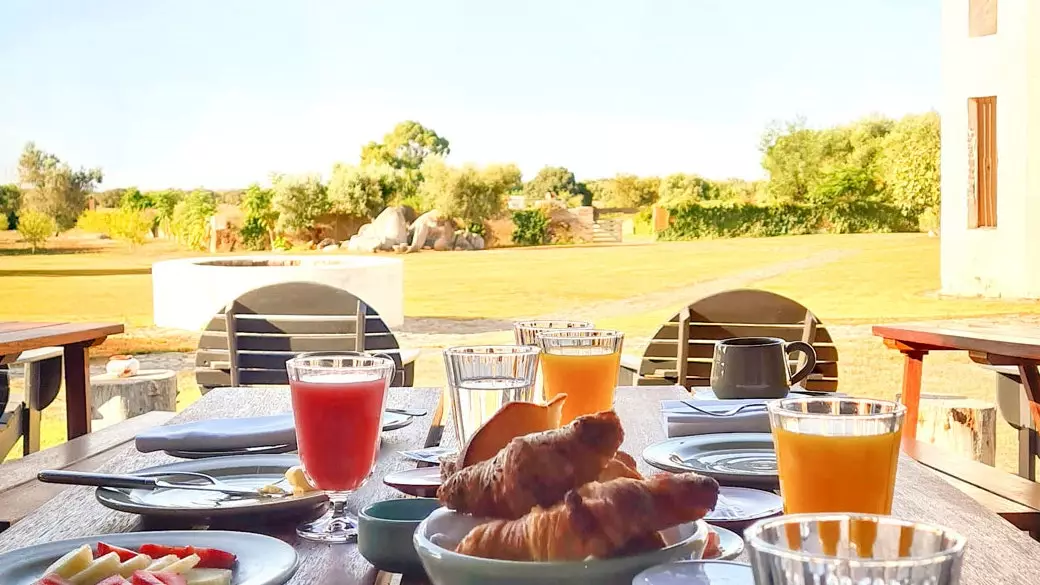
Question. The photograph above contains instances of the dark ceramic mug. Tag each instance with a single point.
(757, 367)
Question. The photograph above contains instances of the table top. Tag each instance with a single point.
(1005, 339)
(997, 552)
(19, 336)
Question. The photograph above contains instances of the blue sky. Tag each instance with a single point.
(219, 93)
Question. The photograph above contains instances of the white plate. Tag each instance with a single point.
(697, 573)
(730, 544)
(262, 560)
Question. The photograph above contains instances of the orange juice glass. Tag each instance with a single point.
(837, 454)
(583, 364)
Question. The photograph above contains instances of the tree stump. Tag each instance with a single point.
(959, 425)
(116, 399)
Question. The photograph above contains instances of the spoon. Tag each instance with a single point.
(407, 411)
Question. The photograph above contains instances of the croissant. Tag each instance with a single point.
(619, 466)
(535, 470)
(599, 520)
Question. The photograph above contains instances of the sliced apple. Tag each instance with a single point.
(184, 565)
(160, 564)
(138, 563)
(73, 562)
(100, 568)
(208, 577)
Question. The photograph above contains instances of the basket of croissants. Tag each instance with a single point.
(562, 506)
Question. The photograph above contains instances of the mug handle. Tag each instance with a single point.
(810, 359)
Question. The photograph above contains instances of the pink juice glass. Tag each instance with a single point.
(338, 409)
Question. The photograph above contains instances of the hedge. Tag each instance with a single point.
(731, 220)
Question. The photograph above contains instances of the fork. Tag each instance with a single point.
(730, 412)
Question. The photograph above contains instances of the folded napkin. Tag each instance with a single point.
(681, 420)
(221, 434)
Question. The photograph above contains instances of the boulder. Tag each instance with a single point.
(476, 241)
(326, 243)
(462, 241)
(330, 248)
(419, 231)
(389, 227)
(400, 248)
(445, 242)
(362, 244)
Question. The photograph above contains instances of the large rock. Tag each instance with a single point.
(444, 242)
(390, 227)
(419, 231)
(462, 241)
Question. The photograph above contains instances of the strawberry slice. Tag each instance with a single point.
(52, 580)
(145, 578)
(214, 558)
(157, 551)
(168, 578)
(125, 554)
(114, 580)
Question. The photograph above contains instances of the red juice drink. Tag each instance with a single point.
(338, 421)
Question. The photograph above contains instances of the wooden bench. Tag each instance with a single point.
(21, 492)
(1015, 499)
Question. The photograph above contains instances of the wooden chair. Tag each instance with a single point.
(21, 420)
(682, 349)
(248, 342)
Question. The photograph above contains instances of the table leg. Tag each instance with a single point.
(77, 389)
(1027, 371)
(912, 363)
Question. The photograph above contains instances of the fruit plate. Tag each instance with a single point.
(262, 560)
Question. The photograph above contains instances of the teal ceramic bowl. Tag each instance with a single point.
(437, 535)
(385, 532)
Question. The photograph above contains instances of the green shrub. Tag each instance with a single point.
(35, 227)
(281, 244)
(532, 227)
(258, 228)
(3, 222)
(732, 220)
(97, 221)
(131, 226)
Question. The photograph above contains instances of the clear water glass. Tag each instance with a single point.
(526, 332)
(850, 549)
(483, 378)
(338, 400)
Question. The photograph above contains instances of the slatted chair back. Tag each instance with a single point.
(248, 342)
(42, 383)
(683, 348)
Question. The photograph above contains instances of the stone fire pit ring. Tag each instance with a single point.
(187, 292)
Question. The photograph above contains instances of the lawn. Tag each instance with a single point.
(872, 278)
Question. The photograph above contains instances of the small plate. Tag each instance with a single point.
(742, 459)
(252, 471)
(730, 544)
(697, 573)
(737, 505)
(422, 482)
(391, 422)
(262, 560)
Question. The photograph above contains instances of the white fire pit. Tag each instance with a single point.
(187, 293)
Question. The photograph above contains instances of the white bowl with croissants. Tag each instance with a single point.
(565, 507)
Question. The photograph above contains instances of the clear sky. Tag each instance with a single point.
(219, 93)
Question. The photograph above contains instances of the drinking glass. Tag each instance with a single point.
(583, 364)
(526, 332)
(338, 403)
(837, 454)
(813, 549)
(483, 378)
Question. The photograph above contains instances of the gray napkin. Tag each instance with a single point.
(221, 434)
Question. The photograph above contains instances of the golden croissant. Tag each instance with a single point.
(597, 520)
(535, 470)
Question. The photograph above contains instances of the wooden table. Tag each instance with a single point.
(997, 553)
(997, 345)
(75, 339)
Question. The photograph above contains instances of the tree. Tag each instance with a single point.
(10, 203)
(54, 188)
(131, 225)
(682, 188)
(299, 200)
(626, 191)
(110, 198)
(405, 147)
(258, 228)
(191, 218)
(35, 227)
(557, 182)
(362, 191)
(134, 200)
(468, 193)
(909, 163)
(164, 202)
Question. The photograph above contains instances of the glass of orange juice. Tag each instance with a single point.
(837, 454)
(583, 364)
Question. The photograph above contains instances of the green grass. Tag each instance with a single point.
(881, 277)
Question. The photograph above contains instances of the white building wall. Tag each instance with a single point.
(999, 261)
